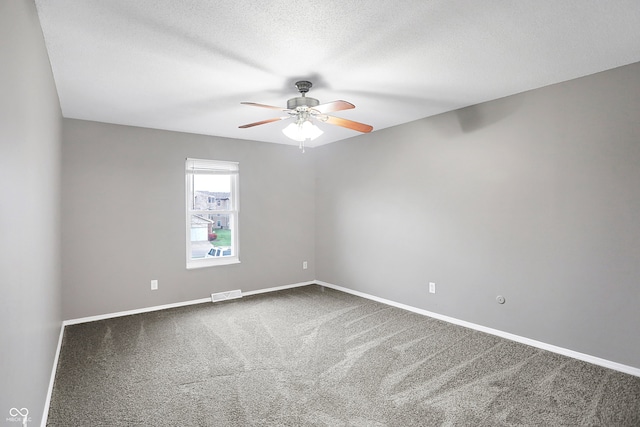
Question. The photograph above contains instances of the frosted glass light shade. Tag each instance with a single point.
(294, 132)
(301, 132)
(311, 131)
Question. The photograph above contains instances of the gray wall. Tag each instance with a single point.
(535, 197)
(123, 218)
(30, 122)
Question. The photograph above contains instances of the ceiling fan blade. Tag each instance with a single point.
(350, 124)
(263, 106)
(264, 122)
(330, 107)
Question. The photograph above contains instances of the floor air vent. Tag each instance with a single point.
(223, 296)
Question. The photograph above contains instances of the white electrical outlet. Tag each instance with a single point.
(154, 285)
(432, 287)
(304, 265)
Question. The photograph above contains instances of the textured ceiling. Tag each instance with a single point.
(187, 65)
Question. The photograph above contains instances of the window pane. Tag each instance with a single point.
(212, 212)
(212, 193)
(211, 235)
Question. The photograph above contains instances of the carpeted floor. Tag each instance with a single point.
(317, 357)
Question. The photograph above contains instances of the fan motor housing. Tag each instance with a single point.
(302, 101)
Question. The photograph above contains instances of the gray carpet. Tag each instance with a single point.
(317, 357)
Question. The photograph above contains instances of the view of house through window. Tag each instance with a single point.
(212, 212)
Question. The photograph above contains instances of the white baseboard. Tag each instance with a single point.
(175, 304)
(136, 311)
(538, 344)
(47, 402)
(279, 288)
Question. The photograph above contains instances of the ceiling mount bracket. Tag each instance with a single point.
(303, 86)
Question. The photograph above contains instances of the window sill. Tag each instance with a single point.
(211, 262)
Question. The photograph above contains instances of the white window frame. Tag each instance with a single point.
(216, 167)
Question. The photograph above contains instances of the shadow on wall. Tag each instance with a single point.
(480, 116)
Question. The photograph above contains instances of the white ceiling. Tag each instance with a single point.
(186, 65)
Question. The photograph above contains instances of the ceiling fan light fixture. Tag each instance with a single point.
(301, 131)
(302, 109)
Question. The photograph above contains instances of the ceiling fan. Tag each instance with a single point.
(303, 109)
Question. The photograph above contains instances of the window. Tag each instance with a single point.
(212, 227)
